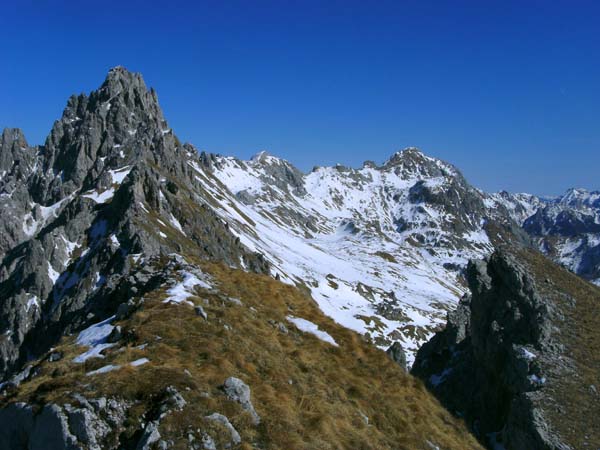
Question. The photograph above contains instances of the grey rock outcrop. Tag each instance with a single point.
(150, 436)
(173, 401)
(238, 391)
(200, 312)
(397, 354)
(500, 339)
(224, 421)
(93, 425)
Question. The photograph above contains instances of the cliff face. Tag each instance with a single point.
(518, 358)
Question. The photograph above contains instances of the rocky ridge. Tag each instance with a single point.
(512, 338)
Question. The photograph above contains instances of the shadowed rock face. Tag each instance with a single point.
(502, 358)
(77, 211)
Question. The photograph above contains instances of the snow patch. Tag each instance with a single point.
(100, 197)
(536, 379)
(100, 280)
(52, 274)
(119, 175)
(312, 328)
(139, 362)
(176, 223)
(111, 367)
(95, 338)
(103, 369)
(115, 241)
(183, 290)
(529, 356)
(32, 302)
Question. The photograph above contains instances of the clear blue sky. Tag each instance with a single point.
(507, 91)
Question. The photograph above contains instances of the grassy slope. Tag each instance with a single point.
(310, 394)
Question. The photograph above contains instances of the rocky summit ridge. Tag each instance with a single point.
(113, 224)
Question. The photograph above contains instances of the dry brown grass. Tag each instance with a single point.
(386, 256)
(309, 394)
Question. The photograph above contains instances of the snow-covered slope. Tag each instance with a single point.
(380, 248)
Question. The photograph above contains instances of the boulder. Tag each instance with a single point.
(238, 391)
(220, 418)
(397, 354)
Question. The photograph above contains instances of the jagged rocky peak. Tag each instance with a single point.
(120, 119)
(123, 96)
(402, 155)
(13, 139)
(112, 181)
(119, 80)
(278, 172)
(264, 157)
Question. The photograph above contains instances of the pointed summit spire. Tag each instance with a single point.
(119, 119)
(119, 79)
(261, 156)
(129, 88)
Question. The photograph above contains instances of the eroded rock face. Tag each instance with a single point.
(493, 361)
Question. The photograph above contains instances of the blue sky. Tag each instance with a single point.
(507, 91)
